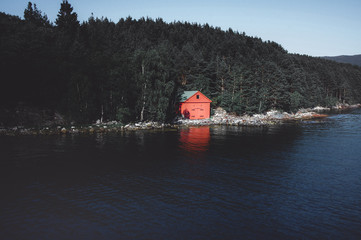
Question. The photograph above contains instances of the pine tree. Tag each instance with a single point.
(33, 15)
(67, 19)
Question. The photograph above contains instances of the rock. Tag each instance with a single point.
(319, 115)
(75, 130)
(320, 109)
(219, 112)
(274, 114)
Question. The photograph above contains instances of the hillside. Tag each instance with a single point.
(354, 59)
(135, 70)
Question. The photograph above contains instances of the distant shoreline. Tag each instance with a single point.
(220, 117)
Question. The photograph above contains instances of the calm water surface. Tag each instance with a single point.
(295, 181)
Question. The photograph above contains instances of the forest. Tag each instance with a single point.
(136, 69)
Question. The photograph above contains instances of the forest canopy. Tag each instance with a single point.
(135, 70)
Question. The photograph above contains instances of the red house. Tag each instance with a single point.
(195, 105)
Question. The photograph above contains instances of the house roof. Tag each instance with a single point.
(186, 95)
(189, 94)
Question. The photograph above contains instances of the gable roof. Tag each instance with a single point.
(186, 95)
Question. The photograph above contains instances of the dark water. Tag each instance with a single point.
(296, 181)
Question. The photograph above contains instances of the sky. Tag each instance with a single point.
(311, 27)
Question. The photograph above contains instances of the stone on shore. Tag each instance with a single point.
(220, 117)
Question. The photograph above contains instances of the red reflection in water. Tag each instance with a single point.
(195, 139)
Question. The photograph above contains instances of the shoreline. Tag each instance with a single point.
(220, 117)
(272, 117)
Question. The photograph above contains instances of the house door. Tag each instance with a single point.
(197, 113)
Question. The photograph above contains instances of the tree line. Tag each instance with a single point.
(135, 70)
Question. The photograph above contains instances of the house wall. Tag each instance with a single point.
(197, 106)
(195, 110)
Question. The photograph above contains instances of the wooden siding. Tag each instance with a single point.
(197, 106)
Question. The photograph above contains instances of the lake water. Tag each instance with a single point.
(294, 181)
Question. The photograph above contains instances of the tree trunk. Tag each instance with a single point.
(260, 106)
(143, 107)
(144, 90)
(222, 87)
(101, 118)
(233, 90)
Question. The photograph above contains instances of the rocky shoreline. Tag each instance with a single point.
(272, 117)
(220, 117)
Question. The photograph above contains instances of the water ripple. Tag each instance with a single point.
(295, 181)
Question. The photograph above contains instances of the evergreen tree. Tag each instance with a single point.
(33, 15)
(67, 20)
(136, 69)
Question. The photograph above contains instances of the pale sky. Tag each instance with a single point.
(312, 27)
